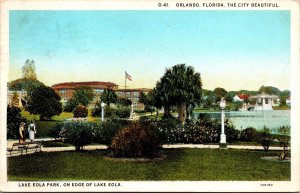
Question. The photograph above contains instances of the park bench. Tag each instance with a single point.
(24, 147)
(36, 146)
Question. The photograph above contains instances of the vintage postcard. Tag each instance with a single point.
(114, 96)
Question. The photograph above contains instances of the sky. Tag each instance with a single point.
(230, 49)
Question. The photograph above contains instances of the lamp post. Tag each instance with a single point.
(102, 111)
(223, 136)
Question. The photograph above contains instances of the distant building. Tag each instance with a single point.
(265, 101)
(65, 90)
(134, 95)
(240, 97)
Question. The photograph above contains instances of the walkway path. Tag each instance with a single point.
(101, 147)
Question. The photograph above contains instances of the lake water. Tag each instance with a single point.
(257, 119)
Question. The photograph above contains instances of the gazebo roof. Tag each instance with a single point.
(263, 95)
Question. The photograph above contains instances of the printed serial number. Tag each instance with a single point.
(163, 4)
(266, 184)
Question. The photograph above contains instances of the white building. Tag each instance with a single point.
(240, 97)
(265, 102)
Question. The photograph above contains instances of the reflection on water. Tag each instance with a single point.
(256, 119)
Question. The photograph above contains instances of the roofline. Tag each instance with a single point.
(134, 89)
(77, 84)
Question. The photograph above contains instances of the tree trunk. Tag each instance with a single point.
(167, 111)
(182, 112)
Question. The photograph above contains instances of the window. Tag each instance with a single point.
(98, 90)
(62, 91)
(259, 101)
(136, 94)
(267, 101)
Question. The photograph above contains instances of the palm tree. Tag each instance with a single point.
(182, 87)
(108, 96)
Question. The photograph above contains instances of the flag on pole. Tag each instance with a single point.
(128, 76)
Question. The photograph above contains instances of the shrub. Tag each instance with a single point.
(123, 112)
(14, 120)
(106, 131)
(135, 141)
(56, 131)
(78, 133)
(249, 134)
(203, 130)
(80, 111)
(265, 138)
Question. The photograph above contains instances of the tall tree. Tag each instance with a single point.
(180, 86)
(28, 70)
(109, 96)
(45, 102)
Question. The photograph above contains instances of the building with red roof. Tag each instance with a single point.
(65, 90)
(240, 97)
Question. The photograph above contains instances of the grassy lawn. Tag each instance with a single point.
(282, 108)
(181, 164)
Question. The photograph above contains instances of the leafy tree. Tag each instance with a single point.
(143, 98)
(284, 138)
(209, 99)
(83, 95)
(45, 102)
(283, 96)
(24, 84)
(148, 101)
(156, 100)
(182, 87)
(71, 105)
(265, 138)
(28, 70)
(249, 92)
(230, 95)
(124, 102)
(108, 96)
(14, 118)
(15, 99)
(269, 90)
(220, 92)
